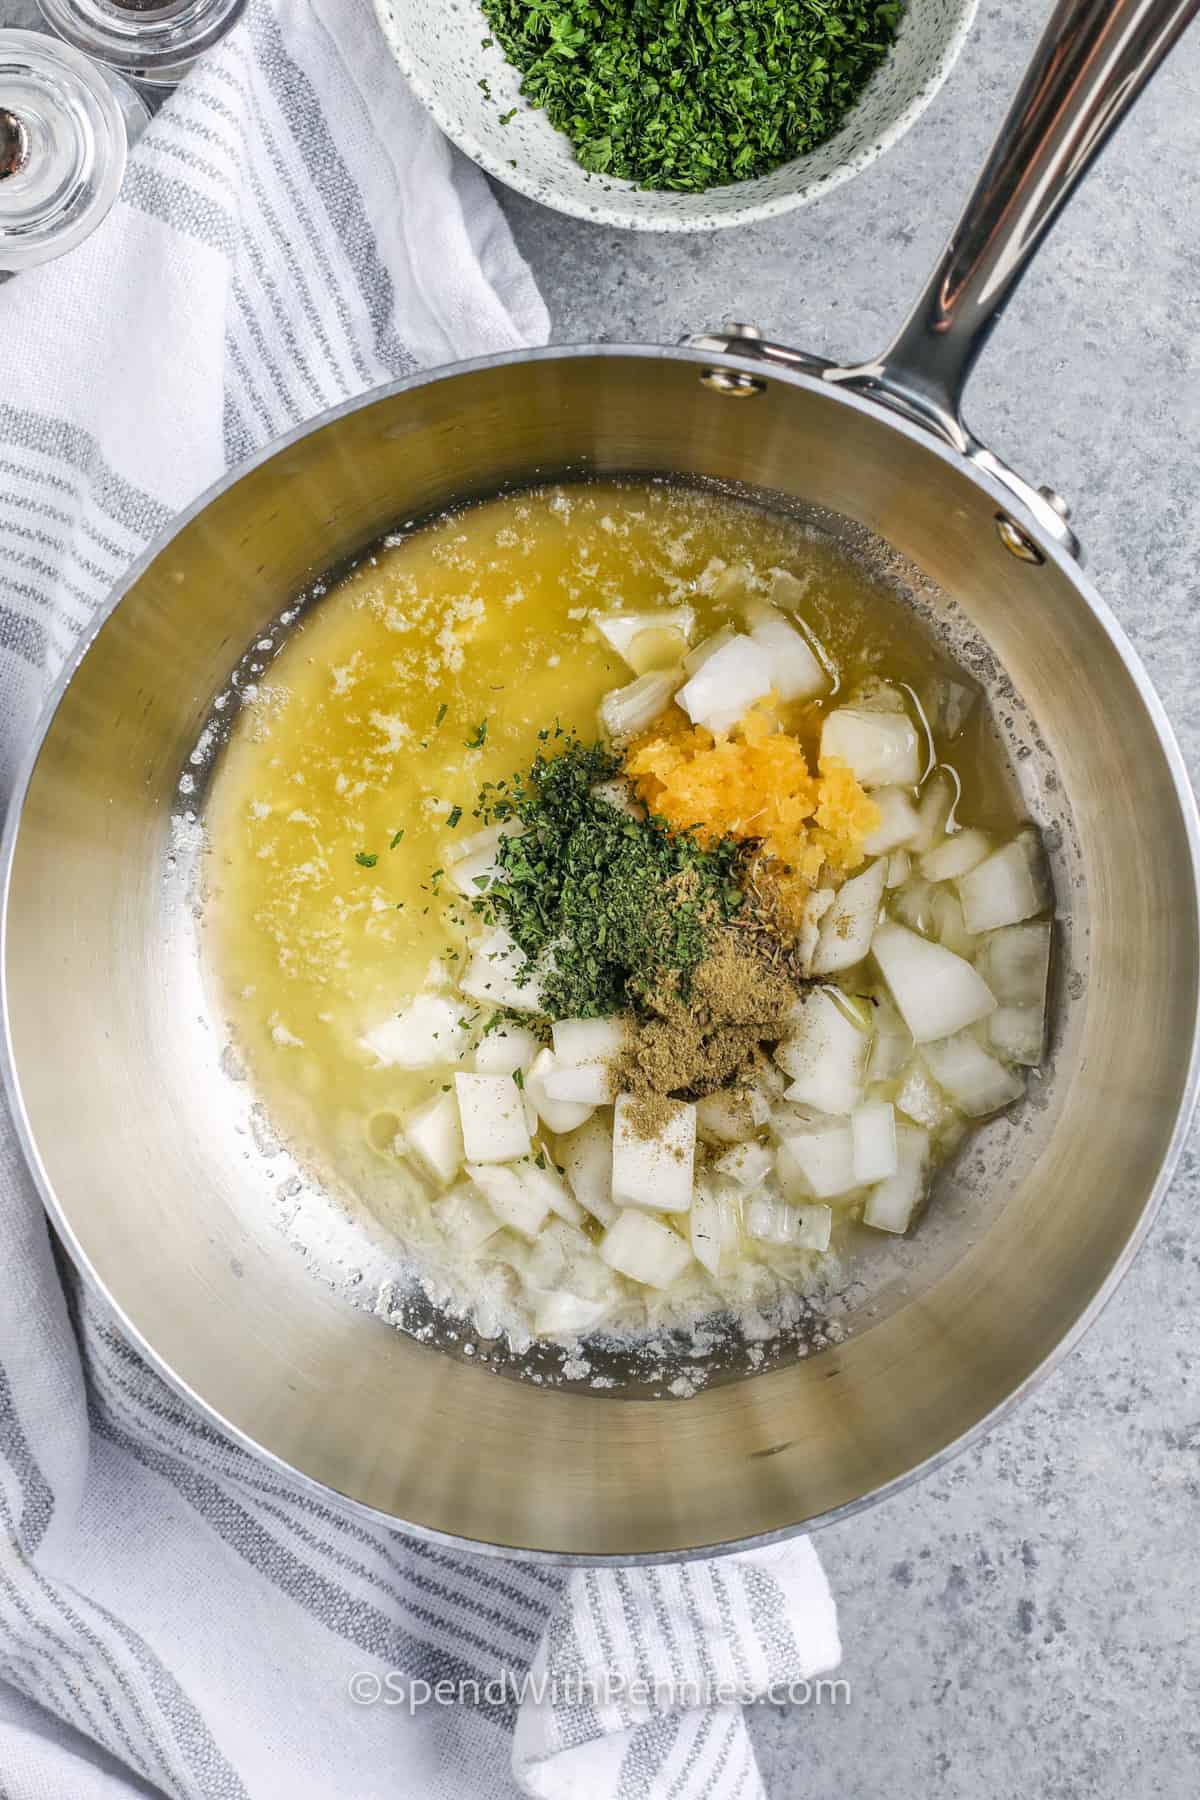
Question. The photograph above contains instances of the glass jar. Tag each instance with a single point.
(65, 127)
(150, 41)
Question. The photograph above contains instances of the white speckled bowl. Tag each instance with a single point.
(438, 45)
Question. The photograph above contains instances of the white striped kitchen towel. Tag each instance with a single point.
(175, 1617)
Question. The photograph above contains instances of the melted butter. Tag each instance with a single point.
(366, 728)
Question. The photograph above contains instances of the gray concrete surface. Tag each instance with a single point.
(1024, 1622)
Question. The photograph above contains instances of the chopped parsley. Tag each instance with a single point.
(453, 816)
(441, 713)
(478, 737)
(399, 835)
(366, 859)
(695, 93)
(607, 906)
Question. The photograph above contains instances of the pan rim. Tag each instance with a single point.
(57, 1213)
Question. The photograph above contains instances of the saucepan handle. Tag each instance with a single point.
(1093, 61)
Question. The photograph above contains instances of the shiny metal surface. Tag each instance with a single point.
(117, 1079)
(168, 1189)
(1093, 61)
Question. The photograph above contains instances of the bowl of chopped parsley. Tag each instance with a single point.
(675, 115)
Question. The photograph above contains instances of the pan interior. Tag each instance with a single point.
(160, 1165)
(347, 1243)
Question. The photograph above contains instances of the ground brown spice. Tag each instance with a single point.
(683, 1048)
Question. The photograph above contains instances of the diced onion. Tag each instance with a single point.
(556, 1115)
(645, 1250)
(814, 1227)
(433, 1136)
(491, 976)
(772, 1220)
(617, 794)
(654, 1173)
(766, 1078)
(949, 925)
(465, 1218)
(825, 1054)
(547, 1185)
(891, 1046)
(808, 936)
(560, 1314)
(956, 855)
(849, 925)
(504, 1050)
(913, 905)
(428, 1031)
(795, 672)
(823, 1158)
(515, 1205)
(586, 1156)
(1009, 887)
(696, 659)
(471, 860)
(899, 868)
(1018, 1033)
(492, 1112)
(873, 1135)
(1015, 963)
(724, 1117)
(745, 1164)
(975, 1081)
(937, 992)
(626, 711)
(935, 811)
(713, 1224)
(474, 875)
(478, 843)
(578, 1041)
(919, 1098)
(898, 822)
(891, 1205)
(590, 1084)
(622, 629)
(881, 749)
(725, 687)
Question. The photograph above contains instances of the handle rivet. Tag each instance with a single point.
(734, 382)
(1056, 502)
(1016, 542)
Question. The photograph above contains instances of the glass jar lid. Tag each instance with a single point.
(63, 142)
(151, 41)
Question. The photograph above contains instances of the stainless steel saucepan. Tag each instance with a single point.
(151, 1160)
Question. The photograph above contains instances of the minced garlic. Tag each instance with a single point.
(755, 784)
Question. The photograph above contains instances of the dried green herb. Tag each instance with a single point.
(610, 905)
(692, 94)
(366, 859)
